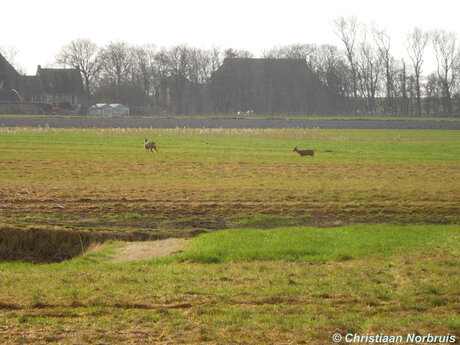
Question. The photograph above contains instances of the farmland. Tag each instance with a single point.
(363, 237)
(208, 179)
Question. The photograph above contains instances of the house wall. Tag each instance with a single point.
(57, 99)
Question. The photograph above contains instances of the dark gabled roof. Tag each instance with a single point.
(56, 81)
(290, 70)
(9, 77)
(6, 68)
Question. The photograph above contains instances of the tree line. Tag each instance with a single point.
(379, 82)
(363, 74)
(143, 76)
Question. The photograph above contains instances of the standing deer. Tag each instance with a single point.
(304, 152)
(150, 145)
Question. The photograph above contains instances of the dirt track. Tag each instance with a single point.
(132, 122)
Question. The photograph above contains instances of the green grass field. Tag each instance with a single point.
(362, 238)
(215, 178)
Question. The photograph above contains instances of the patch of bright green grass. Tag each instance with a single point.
(308, 244)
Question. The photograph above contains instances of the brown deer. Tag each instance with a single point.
(304, 152)
(150, 145)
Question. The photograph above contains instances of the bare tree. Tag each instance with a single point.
(433, 92)
(417, 41)
(347, 30)
(143, 72)
(200, 65)
(300, 51)
(216, 58)
(383, 42)
(369, 67)
(200, 69)
(273, 53)
(237, 53)
(178, 63)
(404, 107)
(333, 72)
(444, 44)
(329, 57)
(117, 61)
(160, 67)
(82, 54)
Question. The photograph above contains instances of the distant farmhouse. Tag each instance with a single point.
(249, 85)
(266, 86)
(59, 88)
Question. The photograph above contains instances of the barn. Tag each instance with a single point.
(265, 86)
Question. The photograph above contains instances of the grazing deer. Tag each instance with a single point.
(150, 145)
(304, 152)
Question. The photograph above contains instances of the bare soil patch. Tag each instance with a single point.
(147, 250)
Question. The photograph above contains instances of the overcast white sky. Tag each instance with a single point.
(38, 29)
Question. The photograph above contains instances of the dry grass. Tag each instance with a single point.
(134, 251)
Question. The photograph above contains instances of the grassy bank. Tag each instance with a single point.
(395, 280)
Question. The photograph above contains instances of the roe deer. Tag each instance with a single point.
(304, 152)
(150, 145)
